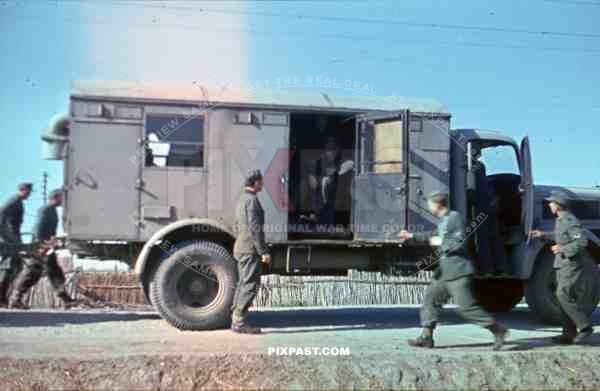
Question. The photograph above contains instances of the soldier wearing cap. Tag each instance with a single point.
(249, 250)
(453, 277)
(45, 261)
(11, 219)
(572, 263)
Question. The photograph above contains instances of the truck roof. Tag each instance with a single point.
(575, 192)
(486, 134)
(309, 97)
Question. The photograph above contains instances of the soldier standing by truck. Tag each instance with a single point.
(11, 219)
(573, 265)
(46, 261)
(249, 250)
(453, 277)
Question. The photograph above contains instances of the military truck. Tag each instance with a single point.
(152, 174)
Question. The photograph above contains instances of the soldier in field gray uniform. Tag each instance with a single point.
(249, 250)
(453, 277)
(574, 266)
(35, 266)
(11, 219)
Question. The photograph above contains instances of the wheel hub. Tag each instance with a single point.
(197, 290)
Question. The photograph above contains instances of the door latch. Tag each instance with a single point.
(139, 184)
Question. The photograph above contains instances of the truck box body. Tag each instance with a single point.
(111, 182)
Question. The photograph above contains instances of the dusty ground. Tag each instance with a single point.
(127, 350)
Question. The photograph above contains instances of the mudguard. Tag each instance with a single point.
(142, 259)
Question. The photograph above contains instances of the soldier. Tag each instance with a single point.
(249, 250)
(574, 266)
(453, 277)
(11, 218)
(489, 243)
(34, 267)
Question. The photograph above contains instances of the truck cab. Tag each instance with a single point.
(493, 186)
(152, 175)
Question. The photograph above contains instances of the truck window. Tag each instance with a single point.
(387, 147)
(173, 141)
(500, 159)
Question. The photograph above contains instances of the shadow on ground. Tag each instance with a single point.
(323, 319)
(42, 318)
(293, 320)
(524, 344)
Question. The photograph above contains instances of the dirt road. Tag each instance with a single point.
(101, 350)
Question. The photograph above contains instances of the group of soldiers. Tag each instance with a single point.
(21, 267)
(453, 277)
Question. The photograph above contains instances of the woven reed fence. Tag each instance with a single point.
(119, 288)
(357, 288)
(42, 295)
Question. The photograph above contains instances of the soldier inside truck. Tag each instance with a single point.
(320, 175)
(494, 203)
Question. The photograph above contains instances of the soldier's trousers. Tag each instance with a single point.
(249, 270)
(570, 291)
(33, 269)
(438, 293)
(9, 260)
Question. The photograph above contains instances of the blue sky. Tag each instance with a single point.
(516, 78)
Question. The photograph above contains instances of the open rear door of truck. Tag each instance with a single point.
(381, 182)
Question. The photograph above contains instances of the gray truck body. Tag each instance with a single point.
(145, 165)
(110, 189)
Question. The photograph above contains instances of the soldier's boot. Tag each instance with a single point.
(425, 340)
(500, 334)
(245, 329)
(3, 292)
(567, 336)
(16, 300)
(239, 325)
(5, 279)
(67, 301)
(25, 280)
(583, 336)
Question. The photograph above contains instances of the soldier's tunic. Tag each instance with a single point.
(11, 219)
(249, 247)
(34, 267)
(572, 265)
(454, 276)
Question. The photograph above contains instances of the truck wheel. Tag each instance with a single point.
(498, 294)
(193, 288)
(541, 291)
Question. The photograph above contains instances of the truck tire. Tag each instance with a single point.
(540, 291)
(193, 288)
(498, 294)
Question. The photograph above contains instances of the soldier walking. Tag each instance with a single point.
(46, 261)
(11, 219)
(574, 266)
(453, 276)
(249, 250)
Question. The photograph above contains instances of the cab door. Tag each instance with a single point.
(381, 182)
(526, 187)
